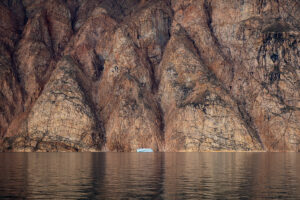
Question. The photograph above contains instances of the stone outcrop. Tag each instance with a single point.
(61, 119)
(206, 116)
(45, 35)
(256, 56)
(172, 75)
(129, 111)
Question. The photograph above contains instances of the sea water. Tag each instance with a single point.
(149, 176)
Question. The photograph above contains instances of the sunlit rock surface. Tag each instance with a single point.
(171, 75)
(61, 119)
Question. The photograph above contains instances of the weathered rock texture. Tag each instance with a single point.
(10, 90)
(61, 118)
(172, 75)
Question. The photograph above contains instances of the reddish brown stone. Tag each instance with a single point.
(172, 75)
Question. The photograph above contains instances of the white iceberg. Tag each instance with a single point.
(144, 150)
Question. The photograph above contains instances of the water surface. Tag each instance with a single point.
(149, 176)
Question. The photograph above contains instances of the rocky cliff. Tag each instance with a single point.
(172, 75)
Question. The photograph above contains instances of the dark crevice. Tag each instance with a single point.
(16, 109)
(99, 137)
(208, 12)
(274, 75)
(50, 35)
(74, 19)
(98, 63)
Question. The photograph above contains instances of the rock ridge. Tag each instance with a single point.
(171, 75)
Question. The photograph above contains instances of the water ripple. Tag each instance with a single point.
(149, 176)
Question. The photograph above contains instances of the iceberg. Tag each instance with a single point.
(144, 150)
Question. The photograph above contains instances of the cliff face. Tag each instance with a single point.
(172, 75)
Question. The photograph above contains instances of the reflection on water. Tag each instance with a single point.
(149, 175)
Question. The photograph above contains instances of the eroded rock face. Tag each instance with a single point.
(44, 37)
(206, 116)
(10, 90)
(172, 75)
(129, 110)
(255, 52)
(61, 119)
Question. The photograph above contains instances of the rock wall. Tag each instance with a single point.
(172, 75)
